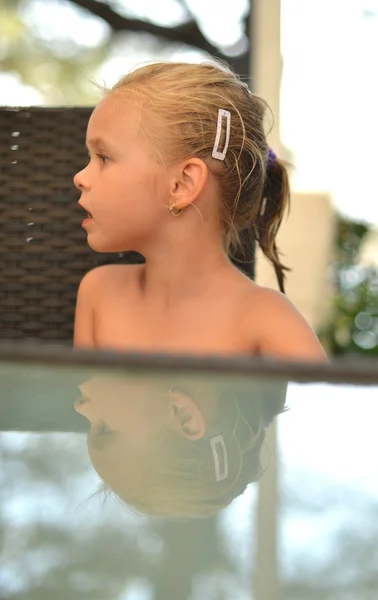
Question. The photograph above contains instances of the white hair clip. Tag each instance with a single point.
(220, 461)
(216, 153)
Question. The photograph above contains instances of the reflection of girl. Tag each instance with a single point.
(179, 167)
(187, 450)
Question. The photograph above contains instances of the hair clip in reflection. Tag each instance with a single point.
(216, 153)
(219, 451)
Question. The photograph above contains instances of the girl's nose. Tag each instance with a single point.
(80, 181)
(83, 406)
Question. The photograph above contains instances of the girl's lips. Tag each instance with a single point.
(86, 221)
(85, 210)
(88, 218)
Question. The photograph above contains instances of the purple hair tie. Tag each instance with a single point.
(272, 157)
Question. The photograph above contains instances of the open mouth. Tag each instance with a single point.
(87, 220)
(89, 216)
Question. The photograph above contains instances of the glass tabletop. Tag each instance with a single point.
(134, 478)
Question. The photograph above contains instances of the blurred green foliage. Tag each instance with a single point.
(352, 327)
(58, 66)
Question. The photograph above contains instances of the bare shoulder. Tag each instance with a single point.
(93, 287)
(108, 275)
(280, 328)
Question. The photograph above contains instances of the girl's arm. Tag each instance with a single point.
(84, 314)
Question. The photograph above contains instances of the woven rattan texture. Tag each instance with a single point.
(43, 249)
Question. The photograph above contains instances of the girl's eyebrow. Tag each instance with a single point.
(100, 442)
(96, 143)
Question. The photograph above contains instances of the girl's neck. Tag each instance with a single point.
(180, 271)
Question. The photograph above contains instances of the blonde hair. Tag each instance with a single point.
(179, 475)
(184, 99)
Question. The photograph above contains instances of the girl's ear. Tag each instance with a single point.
(188, 181)
(185, 416)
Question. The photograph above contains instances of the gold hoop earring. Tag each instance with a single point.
(172, 210)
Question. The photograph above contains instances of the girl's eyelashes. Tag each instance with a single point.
(103, 429)
(104, 159)
(100, 437)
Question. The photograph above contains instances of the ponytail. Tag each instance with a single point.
(274, 202)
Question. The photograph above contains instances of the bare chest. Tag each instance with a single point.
(214, 328)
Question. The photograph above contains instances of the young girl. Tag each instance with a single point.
(179, 168)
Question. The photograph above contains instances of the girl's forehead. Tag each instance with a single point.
(114, 116)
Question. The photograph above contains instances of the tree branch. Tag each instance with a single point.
(189, 33)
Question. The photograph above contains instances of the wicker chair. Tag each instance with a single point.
(43, 250)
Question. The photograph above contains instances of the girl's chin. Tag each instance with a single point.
(103, 246)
